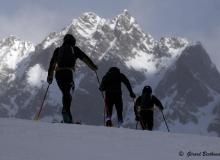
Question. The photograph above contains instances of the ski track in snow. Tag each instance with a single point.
(30, 140)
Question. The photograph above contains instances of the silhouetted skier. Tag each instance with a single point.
(111, 84)
(63, 63)
(144, 108)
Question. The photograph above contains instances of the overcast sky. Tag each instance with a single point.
(197, 20)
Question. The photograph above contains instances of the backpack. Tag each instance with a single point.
(146, 102)
(66, 57)
(111, 82)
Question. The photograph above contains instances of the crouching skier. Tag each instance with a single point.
(144, 108)
(63, 63)
(111, 84)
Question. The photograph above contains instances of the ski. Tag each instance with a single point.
(76, 122)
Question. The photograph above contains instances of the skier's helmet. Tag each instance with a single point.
(114, 70)
(147, 90)
(68, 38)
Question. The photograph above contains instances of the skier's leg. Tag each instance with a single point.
(150, 120)
(142, 124)
(119, 109)
(67, 99)
(109, 107)
(143, 119)
(65, 83)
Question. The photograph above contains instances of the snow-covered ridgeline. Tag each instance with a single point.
(13, 51)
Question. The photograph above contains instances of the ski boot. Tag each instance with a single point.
(120, 124)
(108, 123)
(67, 118)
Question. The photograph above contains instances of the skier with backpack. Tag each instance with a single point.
(111, 85)
(63, 64)
(144, 108)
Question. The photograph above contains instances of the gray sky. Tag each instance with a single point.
(197, 20)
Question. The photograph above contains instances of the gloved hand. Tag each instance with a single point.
(101, 89)
(91, 65)
(161, 108)
(132, 95)
(49, 79)
(95, 68)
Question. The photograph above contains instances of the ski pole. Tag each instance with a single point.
(137, 121)
(165, 121)
(136, 125)
(99, 83)
(39, 112)
(102, 95)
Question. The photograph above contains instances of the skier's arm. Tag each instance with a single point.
(128, 85)
(102, 85)
(52, 66)
(83, 57)
(136, 104)
(136, 109)
(158, 103)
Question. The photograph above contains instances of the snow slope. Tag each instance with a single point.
(29, 140)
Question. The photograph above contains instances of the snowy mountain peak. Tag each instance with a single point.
(85, 25)
(13, 41)
(125, 12)
(82, 28)
(195, 55)
(90, 17)
(13, 50)
(195, 43)
(9, 40)
(125, 21)
(173, 42)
